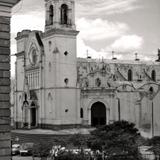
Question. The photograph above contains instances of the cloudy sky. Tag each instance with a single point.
(123, 26)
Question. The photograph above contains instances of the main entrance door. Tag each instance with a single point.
(98, 114)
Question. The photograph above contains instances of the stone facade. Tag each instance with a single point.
(5, 139)
(54, 88)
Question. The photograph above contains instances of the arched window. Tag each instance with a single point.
(130, 75)
(49, 45)
(50, 102)
(153, 75)
(34, 56)
(50, 66)
(51, 14)
(64, 14)
(49, 97)
(66, 80)
(81, 113)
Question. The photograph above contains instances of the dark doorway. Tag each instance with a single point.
(33, 116)
(98, 114)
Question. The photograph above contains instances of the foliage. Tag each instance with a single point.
(42, 149)
(118, 138)
(61, 141)
(79, 140)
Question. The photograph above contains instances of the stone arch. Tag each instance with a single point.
(64, 14)
(98, 114)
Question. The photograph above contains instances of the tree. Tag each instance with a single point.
(78, 140)
(42, 150)
(116, 139)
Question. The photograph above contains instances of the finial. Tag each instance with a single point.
(89, 57)
(136, 57)
(158, 60)
(113, 58)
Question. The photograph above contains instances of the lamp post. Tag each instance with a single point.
(119, 109)
(152, 119)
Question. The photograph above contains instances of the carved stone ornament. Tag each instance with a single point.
(98, 82)
(56, 50)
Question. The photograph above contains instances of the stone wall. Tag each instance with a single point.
(5, 136)
(5, 142)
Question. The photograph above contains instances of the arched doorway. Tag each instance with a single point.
(98, 114)
(33, 114)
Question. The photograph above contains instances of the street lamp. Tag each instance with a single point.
(152, 119)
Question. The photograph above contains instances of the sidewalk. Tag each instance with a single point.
(52, 132)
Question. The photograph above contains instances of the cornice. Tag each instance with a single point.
(60, 32)
(19, 54)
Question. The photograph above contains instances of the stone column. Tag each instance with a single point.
(5, 136)
(29, 118)
(23, 118)
(107, 115)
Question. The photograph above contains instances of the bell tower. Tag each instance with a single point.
(60, 14)
(60, 62)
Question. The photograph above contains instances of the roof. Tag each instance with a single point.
(10, 2)
(110, 61)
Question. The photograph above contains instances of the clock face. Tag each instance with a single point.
(33, 56)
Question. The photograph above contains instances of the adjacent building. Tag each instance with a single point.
(5, 138)
(54, 88)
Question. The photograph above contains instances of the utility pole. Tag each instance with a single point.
(152, 119)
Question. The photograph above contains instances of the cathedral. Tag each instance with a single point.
(55, 89)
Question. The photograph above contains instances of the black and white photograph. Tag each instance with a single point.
(79, 79)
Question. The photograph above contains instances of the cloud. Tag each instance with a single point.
(83, 50)
(103, 7)
(106, 53)
(28, 6)
(98, 29)
(28, 21)
(128, 43)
